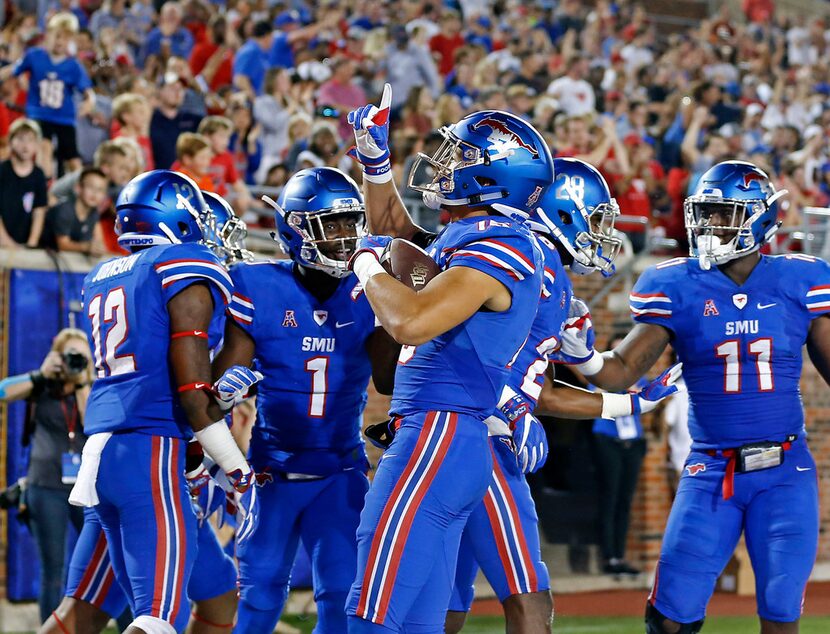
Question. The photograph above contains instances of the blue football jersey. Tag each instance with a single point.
(465, 369)
(315, 364)
(528, 374)
(52, 86)
(741, 346)
(125, 302)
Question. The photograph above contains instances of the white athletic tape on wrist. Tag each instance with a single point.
(592, 365)
(615, 405)
(366, 266)
(218, 443)
(378, 174)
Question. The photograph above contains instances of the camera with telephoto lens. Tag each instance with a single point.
(75, 362)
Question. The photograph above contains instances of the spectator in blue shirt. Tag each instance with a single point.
(251, 61)
(169, 37)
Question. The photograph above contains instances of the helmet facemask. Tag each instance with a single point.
(322, 248)
(721, 229)
(594, 249)
(452, 155)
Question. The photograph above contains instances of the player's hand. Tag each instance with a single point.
(662, 387)
(246, 503)
(234, 385)
(371, 133)
(372, 244)
(206, 494)
(530, 443)
(382, 434)
(578, 336)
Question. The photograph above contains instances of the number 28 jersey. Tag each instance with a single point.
(741, 346)
(315, 364)
(128, 325)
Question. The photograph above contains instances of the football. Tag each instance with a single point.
(409, 264)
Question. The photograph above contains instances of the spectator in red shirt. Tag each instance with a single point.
(447, 41)
(212, 59)
(759, 11)
(217, 130)
(634, 191)
(132, 112)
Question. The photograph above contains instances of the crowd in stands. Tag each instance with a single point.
(238, 93)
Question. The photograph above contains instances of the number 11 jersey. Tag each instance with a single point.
(741, 346)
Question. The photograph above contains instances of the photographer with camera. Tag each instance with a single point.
(56, 393)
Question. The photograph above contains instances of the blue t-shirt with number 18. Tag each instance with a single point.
(52, 86)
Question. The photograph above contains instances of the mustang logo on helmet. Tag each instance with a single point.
(502, 134)
(751, 177)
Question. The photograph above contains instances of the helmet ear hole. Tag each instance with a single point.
(183, 228)
(565, 218)
(484, 181)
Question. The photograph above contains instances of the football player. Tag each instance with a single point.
(151, 396)
(738, 321)
(92, 597)
(308, 324)
(460, 334)
(576, 215)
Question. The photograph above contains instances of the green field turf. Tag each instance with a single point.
(608, 625)
(619, 625)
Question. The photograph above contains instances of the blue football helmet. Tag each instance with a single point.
(224, 233)
(733, 211)
(579, 212)
(159, 207)
(488, 158)
(307, 220)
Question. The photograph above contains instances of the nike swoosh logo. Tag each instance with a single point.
(763, 306)
(803, 468)
(339, 325)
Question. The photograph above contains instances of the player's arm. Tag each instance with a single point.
(385, 212)
(415, 317)
(623, 366)
(190, 312)
(818, 345)
(567, 401)
(620, 368)
(383, 354)
(237, 349)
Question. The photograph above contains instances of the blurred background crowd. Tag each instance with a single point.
(241, 93)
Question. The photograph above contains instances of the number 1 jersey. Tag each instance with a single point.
(741, 346)
(125, 302)
(313, 356)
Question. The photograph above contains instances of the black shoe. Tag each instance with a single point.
(626, 568)
(612, 569)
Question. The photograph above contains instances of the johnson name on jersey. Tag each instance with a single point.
(313, 357)
(465, 369)
(125, 302)
(741, 346)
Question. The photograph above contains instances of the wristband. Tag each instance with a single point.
(366, 266)
(37, 379)
(381, 173)
(592, 365)
(218, 443)
(615, 405)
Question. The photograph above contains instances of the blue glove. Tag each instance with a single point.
(233, 386)
(246, 504)
(663, 386)
(577, 344)
(371, 132)
(206, 494)
(371, 244)
(531, 443)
